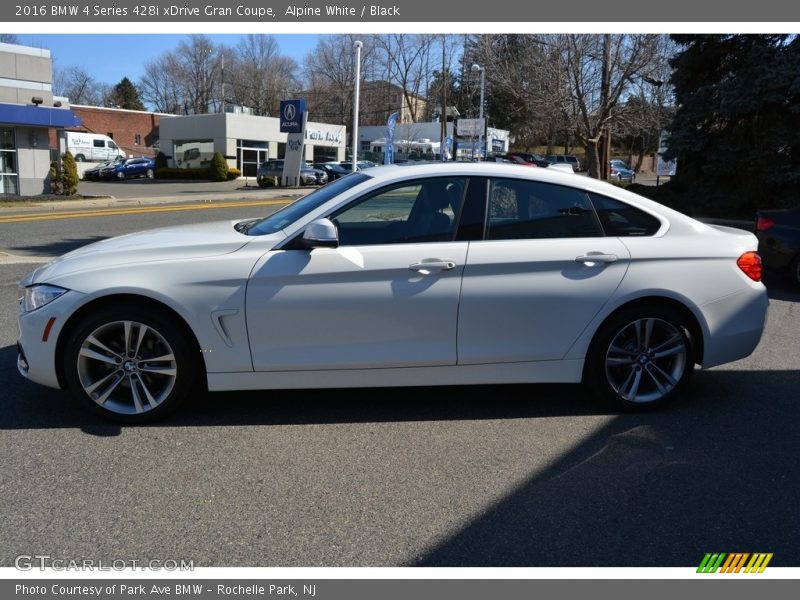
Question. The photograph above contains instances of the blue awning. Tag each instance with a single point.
(37, 116)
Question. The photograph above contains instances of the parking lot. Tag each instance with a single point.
(491, 475)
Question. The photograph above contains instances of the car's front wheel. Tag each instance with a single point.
(120, 175)
(641, 357)
(149, 173)
(129, 364)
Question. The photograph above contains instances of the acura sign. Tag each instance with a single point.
(292, 116)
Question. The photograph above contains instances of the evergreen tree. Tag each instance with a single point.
(69, 175)
(736, 131)
(125, 95)
(219, 168)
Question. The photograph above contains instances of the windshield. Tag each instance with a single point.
(289, 214)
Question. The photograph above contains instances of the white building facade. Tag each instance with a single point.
(244, 140)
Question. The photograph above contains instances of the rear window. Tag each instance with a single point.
(622, 220)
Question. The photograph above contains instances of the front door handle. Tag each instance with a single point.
(432, 265)
(591, 259)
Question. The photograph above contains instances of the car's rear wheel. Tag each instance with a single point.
(80, 158)
(641, 357)
(129, 364)
(149, 173)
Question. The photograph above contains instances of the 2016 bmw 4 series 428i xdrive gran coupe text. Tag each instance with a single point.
(458, 273)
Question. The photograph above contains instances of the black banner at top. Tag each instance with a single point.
(400, 11)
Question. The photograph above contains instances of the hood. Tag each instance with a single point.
(168, 243)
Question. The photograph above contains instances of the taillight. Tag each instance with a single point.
(764, 223)
(750, 264)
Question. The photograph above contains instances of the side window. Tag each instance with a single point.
(622, 220)
(520, 209)
(99, 143)
(424, 210)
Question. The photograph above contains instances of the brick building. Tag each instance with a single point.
(135, 131)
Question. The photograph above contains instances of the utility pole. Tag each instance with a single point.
(604, 152)
(443, 124)
(357, 47)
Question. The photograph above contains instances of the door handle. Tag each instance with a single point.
(432, 265)
(590, 259)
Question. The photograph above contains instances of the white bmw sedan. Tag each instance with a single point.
(400, 276)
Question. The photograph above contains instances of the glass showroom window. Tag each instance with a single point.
(8, 162)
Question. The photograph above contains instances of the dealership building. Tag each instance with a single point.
(244, 140)
(28, 115)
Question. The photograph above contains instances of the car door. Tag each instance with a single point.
(386, 297)
(541, 274)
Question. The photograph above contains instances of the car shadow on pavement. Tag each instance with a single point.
(58, 248)
(714, 474)
(717, 473)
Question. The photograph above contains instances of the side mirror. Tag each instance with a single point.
(320, 233)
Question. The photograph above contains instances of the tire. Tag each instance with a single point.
(80, 158)
(110, 366)
(120, 176)
(641, 358)
(149, 174)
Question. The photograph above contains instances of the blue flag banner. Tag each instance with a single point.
(388, 150)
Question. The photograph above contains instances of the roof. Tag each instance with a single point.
(38, 116)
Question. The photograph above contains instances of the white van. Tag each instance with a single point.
(92, 146)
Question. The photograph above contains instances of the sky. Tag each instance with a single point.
(109, 58)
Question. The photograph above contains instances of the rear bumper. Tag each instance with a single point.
(735, 325)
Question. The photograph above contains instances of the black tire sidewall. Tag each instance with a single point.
(176, 337)
(595, 372)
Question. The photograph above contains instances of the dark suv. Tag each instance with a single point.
(271, 169)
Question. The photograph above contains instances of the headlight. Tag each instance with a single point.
(38, 296)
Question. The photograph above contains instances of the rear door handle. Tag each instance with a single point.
(591, 259)
(432, 265)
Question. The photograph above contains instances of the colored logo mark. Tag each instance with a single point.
(734, 563)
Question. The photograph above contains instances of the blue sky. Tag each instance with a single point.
(109, 58)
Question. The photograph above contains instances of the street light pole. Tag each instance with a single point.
(480, 110)
(357, 47)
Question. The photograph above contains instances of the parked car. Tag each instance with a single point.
(270, 169)
(778, 233)
(565, 159)
(96, 173)
(361, 164)
(528, 157)
(133, 167)
(619, 170)
(417, 275)
(334, 170)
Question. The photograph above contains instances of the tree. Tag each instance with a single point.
(218, 169)
(330, 73)
(262, 76)
(736, 130)
(187, 80)
(124, 95)
(77, 84)
(69, 174)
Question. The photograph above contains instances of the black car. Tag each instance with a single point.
(778, 233)
(95, 173)
(334, 170)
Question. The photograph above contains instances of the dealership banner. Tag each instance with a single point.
(397, 11)
(394, 589)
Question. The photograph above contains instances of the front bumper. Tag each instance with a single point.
(36, 352)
